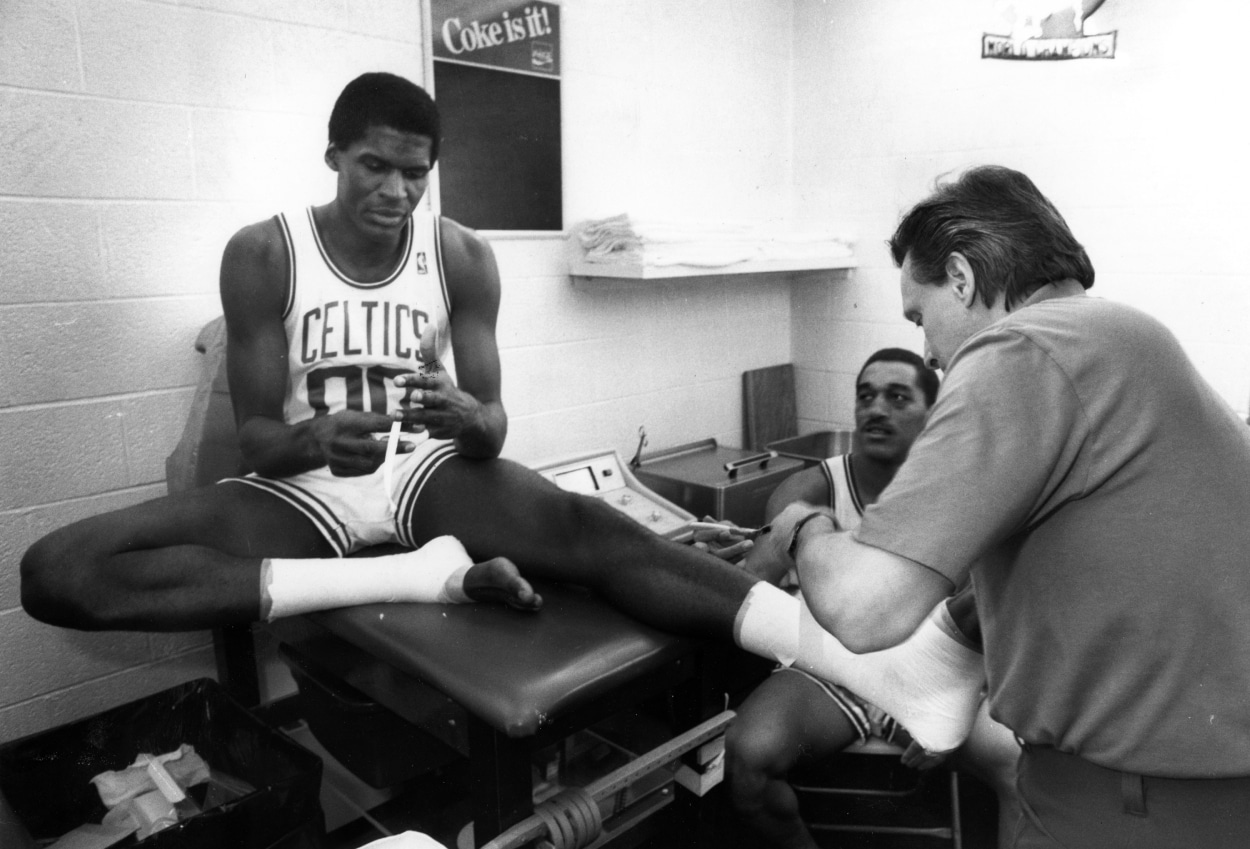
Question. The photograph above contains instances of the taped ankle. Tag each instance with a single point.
(931, 682)
(432, 573)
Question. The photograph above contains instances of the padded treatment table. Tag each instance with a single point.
(496, 683)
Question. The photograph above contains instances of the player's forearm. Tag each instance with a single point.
(276, 449)
(483, 438)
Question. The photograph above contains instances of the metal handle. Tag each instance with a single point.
(733, 466)
(642, 443)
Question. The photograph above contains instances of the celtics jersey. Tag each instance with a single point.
(843, 500)
(843, 494)
(347, 339)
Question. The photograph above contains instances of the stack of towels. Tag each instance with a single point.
(622, 239)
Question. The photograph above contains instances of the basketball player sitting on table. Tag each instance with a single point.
(794, 717)
(335, 316)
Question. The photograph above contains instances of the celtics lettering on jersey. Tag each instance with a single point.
(351, 329)
(349, 340)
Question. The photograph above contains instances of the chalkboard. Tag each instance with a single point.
(499, 164)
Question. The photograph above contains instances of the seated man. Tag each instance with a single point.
(795, 717)
(340, 319)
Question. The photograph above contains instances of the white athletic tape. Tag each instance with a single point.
(931, 682)
(768, 624)
(388, 463)
(433, 573)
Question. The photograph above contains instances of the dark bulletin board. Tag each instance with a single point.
(499, 164)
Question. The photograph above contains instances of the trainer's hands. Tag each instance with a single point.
(349, 443)
(435, 404)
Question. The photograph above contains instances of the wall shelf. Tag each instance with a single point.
(639, 271)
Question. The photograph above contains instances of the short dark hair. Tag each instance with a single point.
(926, 378)
(380, 99)
(1013, 237)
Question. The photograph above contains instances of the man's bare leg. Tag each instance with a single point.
(786, 721)
(184, 562)
(500, 508)
(931, 683)
(189, 561)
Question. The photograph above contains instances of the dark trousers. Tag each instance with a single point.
(1068, 802)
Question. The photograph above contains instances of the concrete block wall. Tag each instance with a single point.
(586, 365)
(140, 134)
(681, 109)
(1144, 154)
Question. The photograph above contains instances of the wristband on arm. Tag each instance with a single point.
(793, 548)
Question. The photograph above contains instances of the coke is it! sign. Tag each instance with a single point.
(511, 35)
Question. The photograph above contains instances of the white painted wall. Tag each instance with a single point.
(139, 134)
(1146, 155)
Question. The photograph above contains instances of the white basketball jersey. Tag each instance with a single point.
(843, 497)
(347, 339)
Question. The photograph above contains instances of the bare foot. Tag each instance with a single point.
(499, 580)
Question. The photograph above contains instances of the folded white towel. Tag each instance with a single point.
(621, 238)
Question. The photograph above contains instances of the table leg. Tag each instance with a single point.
(235, 651)
(501, 781)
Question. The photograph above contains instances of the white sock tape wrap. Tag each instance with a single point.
(931, 682)
(768, 623)
(432, 573)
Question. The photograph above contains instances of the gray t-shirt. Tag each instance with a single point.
(1100, 490)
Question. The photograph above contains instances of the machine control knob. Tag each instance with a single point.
(627, 498)
(655, 516)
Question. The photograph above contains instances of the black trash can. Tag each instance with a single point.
(46, 777)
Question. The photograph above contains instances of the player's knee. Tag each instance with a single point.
(51, 583)
(39, 581)
(755, 752)
(588, 528)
